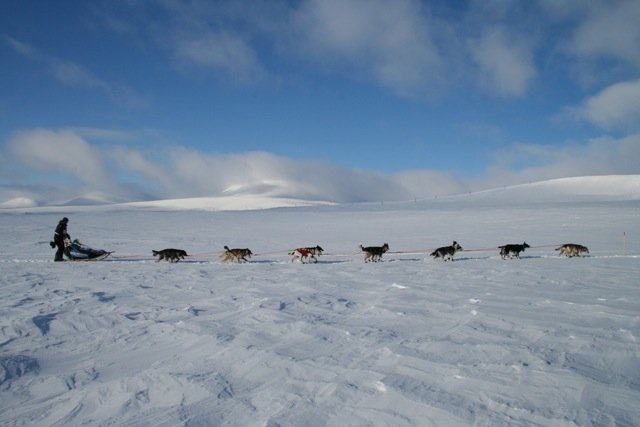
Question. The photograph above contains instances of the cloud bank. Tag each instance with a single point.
(74, 166)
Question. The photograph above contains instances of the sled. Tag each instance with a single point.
(76, 251)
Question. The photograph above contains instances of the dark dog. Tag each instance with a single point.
(572, 249)
(307, 253)
(447, 251)
(512, 250)
(171, 255)
(238, 255)
(374, 253)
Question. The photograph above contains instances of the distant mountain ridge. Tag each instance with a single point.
(586, 188)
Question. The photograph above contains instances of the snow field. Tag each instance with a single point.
(543, 340)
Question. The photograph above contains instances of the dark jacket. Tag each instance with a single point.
(61, 231)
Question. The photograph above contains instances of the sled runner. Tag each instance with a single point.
(76, 251)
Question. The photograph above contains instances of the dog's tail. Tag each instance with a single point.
(226, 248)
(361, 247)
(559, 248)
(154, 252)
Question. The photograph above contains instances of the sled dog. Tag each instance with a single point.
(170, 254)
(512, 250)
(307, 253)
(374, 253)
(237, 254)
(572, 249)
(447, 251)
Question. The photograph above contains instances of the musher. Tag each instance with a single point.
(59, 238)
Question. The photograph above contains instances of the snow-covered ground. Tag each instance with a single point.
(543, 340)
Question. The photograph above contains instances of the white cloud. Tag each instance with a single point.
(529, 163)
(215, 37)
(389, 41)
(23, 49)
(610, 30)
(72, 74)
(411, 47)
(504, 60)
(225, 52)
(173, 172)
(62, 152)
(54, 166)
(615, 107)
(279, 176)
(424, 184)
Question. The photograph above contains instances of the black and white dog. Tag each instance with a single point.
(512, 250)
(374, 253)
(447, 252)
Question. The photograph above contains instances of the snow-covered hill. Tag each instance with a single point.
(589, 188)
(228, 203)
(594, 188)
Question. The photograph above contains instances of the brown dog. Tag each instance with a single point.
(238, 255)
(572, 249)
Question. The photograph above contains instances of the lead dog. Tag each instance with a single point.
(170, 254)
(238, 255)
(512, 250)
(307, 253)
(447, 251)
(374, 253)
(572, 249)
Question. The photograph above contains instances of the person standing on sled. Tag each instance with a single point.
(59, 237)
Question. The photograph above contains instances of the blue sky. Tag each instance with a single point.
(347, 100)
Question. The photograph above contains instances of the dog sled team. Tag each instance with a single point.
(305, 255)
(309, 254)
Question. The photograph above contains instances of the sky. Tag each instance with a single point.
(341, 100)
